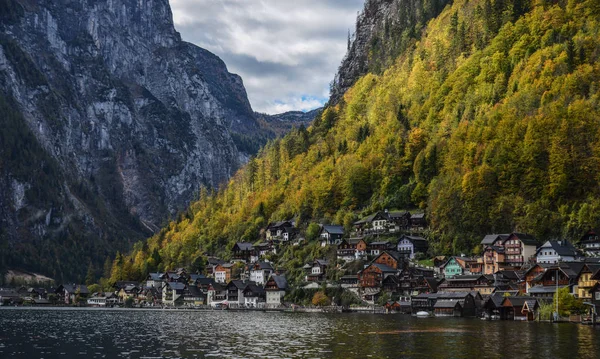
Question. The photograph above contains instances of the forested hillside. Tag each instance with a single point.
(489, 123)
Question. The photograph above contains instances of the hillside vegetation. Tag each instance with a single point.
(490, 123)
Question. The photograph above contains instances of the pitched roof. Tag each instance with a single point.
(262, 266)
(526, 238)
(417, 216)
(562, 248)
(254, 288)
(384, 267)
(544, 289)
(333, 229)
(518, 301)
(447, 304)
(280, 281)
(176, 285)
(491, 238)
(413, 239)
(244, 246)
(238, 284)
(157, 277)
(72, 288)
(322, 262)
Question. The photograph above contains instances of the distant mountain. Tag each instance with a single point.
(281, 124)
(110, 124)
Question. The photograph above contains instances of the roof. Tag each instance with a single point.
(155, 276)
(518, 301)
(193, 291)
(541, 289)
(238, 284)
(379, 243)
(413, 239)
(526, 238)
(254, 288)
(322, 262)
(447, 304)
(262, 266)
(176, 285)
(384, 267)
(244, 246)
(562, 248)
(417, 216)
(465, 278)
(280, 281)
(72, 288)
(333, 229)
(214, 261)
(491, 238)
(398, 214)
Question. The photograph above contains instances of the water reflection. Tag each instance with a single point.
(37, 333)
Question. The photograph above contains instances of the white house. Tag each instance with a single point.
(409, 245)
(275, 289)
(557, 251)
(260, 272)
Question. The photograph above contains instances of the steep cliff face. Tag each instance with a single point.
(384, 29)
(121, 120)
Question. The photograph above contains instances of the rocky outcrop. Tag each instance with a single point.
(384, 29)
(125, 122)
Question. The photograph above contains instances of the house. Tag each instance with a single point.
(375, 248)
(398, 221)
(150, 295)
(507, 252)
(103, 300)
(173, 293)
(546, 283)
(223, 272)
(392, 306)
(212, 263)
(462, 283)
(289, 233)
(448, 308)
(70, 293)
(426, 302)
(331, 234)
(275, 290)
(276, 230)
(519, 248)
(374, 274)
(595, 294)
(520, 308)
(351, 249)
(590, 243)
(129, 291)
(557, 251)
(260, 272)
(235, 292)
(586, 280)
(193, 296)
(460, 266)
(243, 251)
(349, 281)
(411, 245)
(418, 223)
(9, 296)
(373, 224)
(254, 296)
(155, 280)
(491, 240)
(216, 294)
(390, 258)
(264, 248)
(316, 272)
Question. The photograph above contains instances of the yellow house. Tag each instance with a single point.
(586, 281)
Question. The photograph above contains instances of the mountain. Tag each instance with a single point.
(384, 30)
(489, 123)
(283, 123)
(111, 123)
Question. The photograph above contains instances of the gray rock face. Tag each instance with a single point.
(133, 120)
(384, 29)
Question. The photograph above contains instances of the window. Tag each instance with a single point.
(597, 294)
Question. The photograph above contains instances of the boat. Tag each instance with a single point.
(423, 314)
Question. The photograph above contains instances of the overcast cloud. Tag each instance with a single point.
(287, 51)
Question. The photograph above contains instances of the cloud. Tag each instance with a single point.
(287, 52)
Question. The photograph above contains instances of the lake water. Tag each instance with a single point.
(89, 333)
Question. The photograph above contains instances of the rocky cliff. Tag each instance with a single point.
(384, 29)
(112, 123)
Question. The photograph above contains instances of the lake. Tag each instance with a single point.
(103, 333)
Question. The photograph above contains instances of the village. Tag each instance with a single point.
(380, 268)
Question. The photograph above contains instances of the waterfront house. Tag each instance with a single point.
(223, 272)
(586, 280)
(275, 289)
(590, 243)
(129, 291)
(316, 272)
(173, 293)
(426, 302)
(103, 300)
(520, 308)
(447, 308)
(545, 283)
(9, 296)
(376, 248)
(331, 234)
(235, 292)
(216, 294)
(411, 245)
(351, 249)
(392, 306)
(553, 252)
(595, 295)
(254, 295)
(260, 272)
(193, 296)
(242, 251)
(70, 293)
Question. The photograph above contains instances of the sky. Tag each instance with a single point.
(286, 51)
